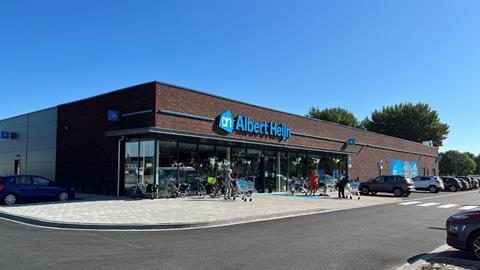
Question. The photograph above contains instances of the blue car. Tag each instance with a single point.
(29, 188)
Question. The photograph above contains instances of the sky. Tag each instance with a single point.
(286, 55)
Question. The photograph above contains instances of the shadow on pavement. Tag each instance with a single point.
(436, 228)
(451, 257)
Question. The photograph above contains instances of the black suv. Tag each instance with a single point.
(396, 184)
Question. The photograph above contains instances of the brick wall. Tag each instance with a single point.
(364, 164)
(86, 158)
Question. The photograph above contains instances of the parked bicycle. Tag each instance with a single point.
(140, 190)
(297, 185)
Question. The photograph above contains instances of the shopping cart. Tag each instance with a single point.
(354, 189)
(245, 189)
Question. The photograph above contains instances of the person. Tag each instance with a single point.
(341, 185)
(227, 185)
(233, 183)
(313, 183)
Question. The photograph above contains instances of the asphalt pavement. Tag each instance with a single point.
(375, 237)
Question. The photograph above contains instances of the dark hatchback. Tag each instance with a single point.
(30, 188)
(396, 184)
(463, 231)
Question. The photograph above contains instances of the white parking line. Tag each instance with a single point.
(428, 204)
(447, 205)
(409, 203)
(469, 207)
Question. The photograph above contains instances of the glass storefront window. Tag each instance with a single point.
(283, 171)
(223, 157)
(167, 161)
(187, 156)
(270, 170)
(254, 165)
(206, 160)
(238, 161)
(131, 164)
(147, 162)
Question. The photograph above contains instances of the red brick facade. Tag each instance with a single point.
(87, 157)
(364, 164)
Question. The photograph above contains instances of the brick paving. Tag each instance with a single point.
(94, 209)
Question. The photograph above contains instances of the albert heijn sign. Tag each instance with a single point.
(243, 123)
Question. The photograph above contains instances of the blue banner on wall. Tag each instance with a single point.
(405, 168)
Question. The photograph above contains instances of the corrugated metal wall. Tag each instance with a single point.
(34, 143)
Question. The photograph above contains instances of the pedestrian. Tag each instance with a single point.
(227, 184)
(341, 185)
(313, 182)
(233, 184)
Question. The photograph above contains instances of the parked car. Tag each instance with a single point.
(469, 180)
(476, 181)
(452, 184)
(26, 188)
(396, 184)
(463, 231)
(465, 183)
(432, 183)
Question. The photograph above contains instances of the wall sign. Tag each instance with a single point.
(245, 124)
(4, 135)
(113, 116)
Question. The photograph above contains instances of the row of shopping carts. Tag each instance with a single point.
(199, 186)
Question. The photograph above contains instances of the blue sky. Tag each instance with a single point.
(287, 55)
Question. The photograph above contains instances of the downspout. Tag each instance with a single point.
(119, 163)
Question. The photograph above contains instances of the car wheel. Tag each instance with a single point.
(10, 199)
(474, 245)
(433, 189)
(365, 190)
(397, 192)
(453, 188)
(63, 196)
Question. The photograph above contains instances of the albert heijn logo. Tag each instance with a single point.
(227, 121)
(245, 124)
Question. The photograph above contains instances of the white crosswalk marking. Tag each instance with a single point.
(469, 207)
(447, 205)
(408, 203)
(428, 204)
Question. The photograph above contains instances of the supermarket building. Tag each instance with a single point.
(107, 143)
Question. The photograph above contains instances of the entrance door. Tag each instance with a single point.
(270, 171)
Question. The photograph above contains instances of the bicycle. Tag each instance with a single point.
(143, 191)
(213, 187)
(200, 189)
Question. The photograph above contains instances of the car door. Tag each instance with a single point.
(417, 182)
(45, 188)
(387, 184)
(376, 183)
(425, 182)
(25, 187)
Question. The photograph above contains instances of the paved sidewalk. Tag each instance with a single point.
(104, 212)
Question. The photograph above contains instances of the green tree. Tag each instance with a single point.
(335, 115)
(455, 163)
(414, 122)
(477, 160)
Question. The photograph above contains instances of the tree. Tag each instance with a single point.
(335, 115)
(455, 163)
(477, 160)
(414, 122)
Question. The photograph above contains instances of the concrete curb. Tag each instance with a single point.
(146, 227)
